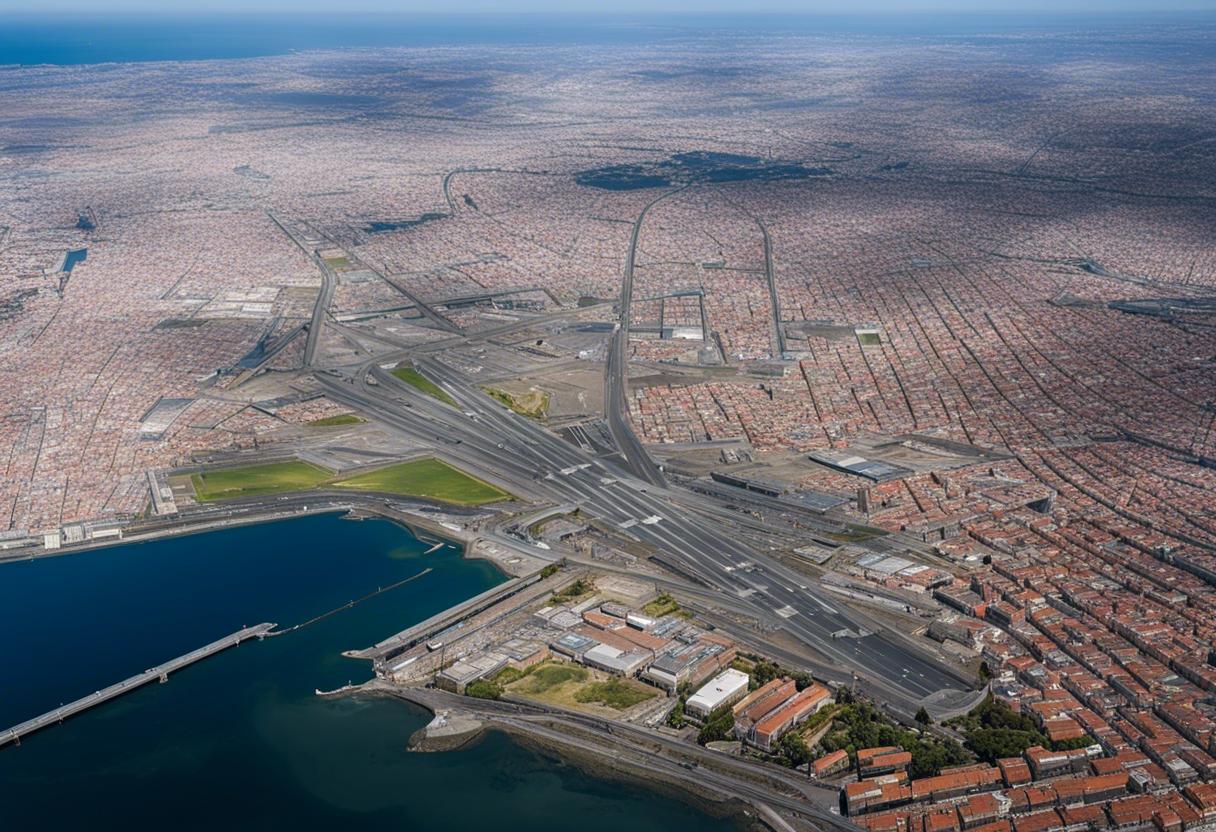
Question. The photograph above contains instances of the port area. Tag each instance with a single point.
(614, 673)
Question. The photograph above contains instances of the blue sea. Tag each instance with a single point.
(30, 39)
(240, 740)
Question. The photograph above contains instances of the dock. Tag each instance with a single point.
(159, 673)
(394, 646)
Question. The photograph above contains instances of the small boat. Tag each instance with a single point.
(437, 546)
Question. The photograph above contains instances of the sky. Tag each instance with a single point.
(101, 8)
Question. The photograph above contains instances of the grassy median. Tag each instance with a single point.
(533, 404)
(340, 419)
(410, 375)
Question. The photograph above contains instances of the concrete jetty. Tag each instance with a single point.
(395, 645)
(159, 673)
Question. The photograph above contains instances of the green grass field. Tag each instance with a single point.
(852, 535)
(533, 404)
(340, 419)
(571, 686)
(545, 677)
(428, 477)
(615, 693)
(256, 480)
(868, 339)
(413, 378)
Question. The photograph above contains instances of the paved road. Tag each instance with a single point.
(774, 299)
(487, 437)
(319, 311)
(616, 369)
(324, 296)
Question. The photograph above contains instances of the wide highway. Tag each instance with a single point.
(522, 454)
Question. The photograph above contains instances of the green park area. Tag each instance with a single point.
(665, 605)
(617, 693)
(564, 684)
(410, 375)
(428, 477)
(257, 480)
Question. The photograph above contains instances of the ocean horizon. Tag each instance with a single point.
(74, 39)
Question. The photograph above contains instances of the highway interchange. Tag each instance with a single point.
(536, 463)
(697, 533)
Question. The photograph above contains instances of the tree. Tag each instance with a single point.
(793, 748)
(718, 726)
(676, 718)
(483, 689)
(864, 726)
(995, 730)
(763, 672)
(1072, 743)
(991, 744)
(985, 671)
(802, 679)
(923, 719)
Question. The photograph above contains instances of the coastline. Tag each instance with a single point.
(608, 768)
(353, 505)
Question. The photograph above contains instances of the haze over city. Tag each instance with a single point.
(665, 415)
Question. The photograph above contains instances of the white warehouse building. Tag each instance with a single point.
(727, 688)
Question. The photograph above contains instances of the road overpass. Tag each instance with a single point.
(489, 437)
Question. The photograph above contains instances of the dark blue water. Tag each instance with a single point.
(89, 38)
(78, 39)
(75, 256)
(240, 741)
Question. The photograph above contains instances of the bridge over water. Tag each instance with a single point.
(159, 673)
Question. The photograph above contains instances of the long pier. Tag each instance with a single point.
(159, 673)
(349, 604)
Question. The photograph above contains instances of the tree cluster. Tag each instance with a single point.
(719, 726)
(861, 725)
(994, 730)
